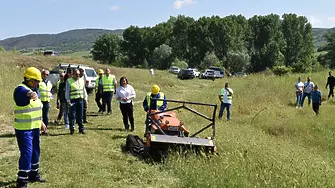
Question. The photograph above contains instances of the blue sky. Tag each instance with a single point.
(22, 17)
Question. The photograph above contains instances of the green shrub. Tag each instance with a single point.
(281, 70)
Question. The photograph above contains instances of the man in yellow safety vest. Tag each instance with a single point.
(108, 88)
(75, 95)
(44, 88)
(27, 125)
(153, 104)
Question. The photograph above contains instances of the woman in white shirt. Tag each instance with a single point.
(299, 88)
(125, 93)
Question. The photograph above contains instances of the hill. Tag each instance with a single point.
(83, 39)
(71, 41)
(318, 36)
(268, 142)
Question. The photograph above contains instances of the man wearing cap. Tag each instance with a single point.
(27, 125)
(99, 90)
(149, 103)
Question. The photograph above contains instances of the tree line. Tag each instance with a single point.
(233, 41)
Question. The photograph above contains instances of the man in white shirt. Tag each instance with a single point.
(308, 88)
(299, 88)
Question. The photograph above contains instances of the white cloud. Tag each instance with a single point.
(331, 19)
(114, 8)
(178, 4)
(315, 21)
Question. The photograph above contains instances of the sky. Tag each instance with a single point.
(22, 17)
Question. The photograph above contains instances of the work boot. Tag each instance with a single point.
(41, 180)
(82, 132)
(21, 185)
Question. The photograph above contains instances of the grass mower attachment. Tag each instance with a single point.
(165, 130)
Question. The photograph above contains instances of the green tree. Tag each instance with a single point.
(107, 48)
(134, 45)
(329, 58)
(238, 60)
(299, 40)
(162, 57)
(210, 60)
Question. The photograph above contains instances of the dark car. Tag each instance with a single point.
(186, 74)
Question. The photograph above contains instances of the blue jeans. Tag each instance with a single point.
(222, 107)
(303, 98)
(299, 97)
(76, 113)
(29, 145)
(45, 112)
(63, 110)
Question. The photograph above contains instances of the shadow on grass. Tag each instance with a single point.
(8, 135)
(115, 137)
(10, 184)
(104, 129)
(59, 134)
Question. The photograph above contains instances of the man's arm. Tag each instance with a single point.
(67, 92)
(145, 104)
(164, 106)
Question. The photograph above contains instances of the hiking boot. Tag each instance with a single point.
(71, 131)
(82, 132)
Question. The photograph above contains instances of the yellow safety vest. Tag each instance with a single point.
(97, 84)
(45, 91)
(159, 103)
(108, 83)
(229, 97)
(30, 116)
(76, 88)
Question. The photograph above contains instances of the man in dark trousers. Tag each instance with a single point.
(99, 90)
(75, 95)
(331, 84)
(27, 125)
(108, 88)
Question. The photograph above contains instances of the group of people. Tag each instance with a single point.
(32, 104)
(311, 91)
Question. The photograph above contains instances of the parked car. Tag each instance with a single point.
(218, 72)
(50, 53)
(174, 70)
(186, 74)
(208, 74)
(195, 72)
(89, 72)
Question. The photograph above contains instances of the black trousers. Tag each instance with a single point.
(107, 101)
(127, 111)
(316, 107)
(331, 92)
(98, 97)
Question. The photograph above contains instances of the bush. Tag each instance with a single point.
(281, 70)
(180, 63)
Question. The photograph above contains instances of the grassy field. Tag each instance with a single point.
(268, 142)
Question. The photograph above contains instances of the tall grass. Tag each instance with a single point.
(268, 143)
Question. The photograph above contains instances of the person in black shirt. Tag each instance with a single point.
(61, 101)
(331, 84)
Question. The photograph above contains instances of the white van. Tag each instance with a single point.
(89, 72)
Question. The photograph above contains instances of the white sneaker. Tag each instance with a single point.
(66, 126)
(296, 107)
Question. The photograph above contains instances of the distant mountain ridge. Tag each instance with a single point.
(73, 40)
(83, 39)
